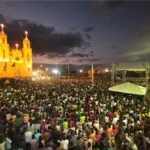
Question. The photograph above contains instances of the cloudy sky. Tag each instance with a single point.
(80, 32)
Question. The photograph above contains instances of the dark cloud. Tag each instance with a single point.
(72, 28)
(66, 61)
(86, 45)
(144, 57)
(2, 19)
(88, 29)
(79, 55)
(88, 36)
(44, 39)
(113, 46)
(92, 52)
(53, 55)
(92, 60)
(105, 7)
(113, 4)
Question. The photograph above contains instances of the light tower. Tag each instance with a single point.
(27, 52)
(4, 46)
(3, 36)
(2, 31)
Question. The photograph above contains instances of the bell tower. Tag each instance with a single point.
(4, 46)
(26, 41)
(27, 52)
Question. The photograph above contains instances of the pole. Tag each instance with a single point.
(113, 73)
(57, 75)
(147, 75)
(68, 71)
(92, 74)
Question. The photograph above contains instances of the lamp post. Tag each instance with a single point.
(56, 72)
(68, 71)
(92, 68)
(81, 71)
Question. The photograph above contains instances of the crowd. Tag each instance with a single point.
(71, 115)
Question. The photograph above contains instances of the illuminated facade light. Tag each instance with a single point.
(2, 26)
(17, 45)
(26, 34)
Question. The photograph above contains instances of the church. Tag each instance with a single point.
(15, 62)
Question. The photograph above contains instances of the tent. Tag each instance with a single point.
(129, 88)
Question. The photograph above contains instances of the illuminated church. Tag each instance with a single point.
(15, 62)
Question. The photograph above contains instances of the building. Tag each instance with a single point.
(15, 62)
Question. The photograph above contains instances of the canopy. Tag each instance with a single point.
(129, 88)
(141, 66)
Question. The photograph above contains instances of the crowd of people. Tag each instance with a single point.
(71, 115)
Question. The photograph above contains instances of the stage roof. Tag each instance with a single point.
(129, 88)
(131, 66)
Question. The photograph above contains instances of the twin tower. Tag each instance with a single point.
(15, 62)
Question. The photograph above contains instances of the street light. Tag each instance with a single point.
(55, 71)
(81, 71)
(106, 70)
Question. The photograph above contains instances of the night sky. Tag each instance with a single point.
(76, 32)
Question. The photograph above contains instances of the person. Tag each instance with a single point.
(2, 145)
(28, 138)
(41, 143)
(64, 143)
(8, 143)
(59, 147)
(38, 135)
(33, 143)
(87, 112)
(80, 143)
(89, 146)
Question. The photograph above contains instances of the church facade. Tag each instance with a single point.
(15, 62)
